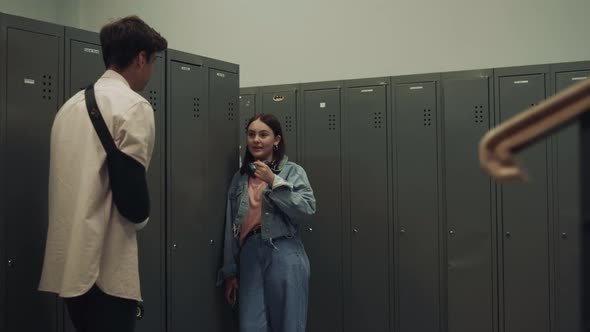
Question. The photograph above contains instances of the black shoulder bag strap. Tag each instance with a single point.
(126, 175)
(98, 122)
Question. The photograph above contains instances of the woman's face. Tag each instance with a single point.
(261, 140)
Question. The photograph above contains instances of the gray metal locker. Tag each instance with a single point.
(151, 239)
(321, 158)
(367, 161)
(31, 56)
(470, 221)
(524, 213)
(281, 101)
(222, 157)
(83, 58)
(187, 204)
(416, 192)
(568, 206)
(247, 111)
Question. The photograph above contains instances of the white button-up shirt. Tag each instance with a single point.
(88, 241)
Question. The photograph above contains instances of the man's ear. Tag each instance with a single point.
(142, 59)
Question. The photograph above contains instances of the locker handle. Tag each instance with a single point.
(452, 233)
(508, 235)
(211, 242)
(355, 231)
(309, 230)
(403, 231)
(564, 235)
(174, 246)
(11, 263)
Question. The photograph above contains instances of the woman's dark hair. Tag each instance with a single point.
(124, 39)
(274, 124)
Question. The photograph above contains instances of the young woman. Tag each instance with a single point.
(264, 259)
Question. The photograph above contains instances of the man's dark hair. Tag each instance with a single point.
(125, 38)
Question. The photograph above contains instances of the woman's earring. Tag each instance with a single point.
(276, 147)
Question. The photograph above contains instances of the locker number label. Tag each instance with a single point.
(29, 81)
(221, 74)
(579, 78)
(322, 105)
(185, 68)
(91, 50)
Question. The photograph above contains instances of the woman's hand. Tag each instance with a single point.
(231, 289)
(263, 172)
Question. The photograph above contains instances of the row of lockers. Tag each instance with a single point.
(195, 107)
(410, 234)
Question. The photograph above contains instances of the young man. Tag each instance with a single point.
(91, 252)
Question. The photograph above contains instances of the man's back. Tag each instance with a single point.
(88, 240)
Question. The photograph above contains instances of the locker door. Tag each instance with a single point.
(321, 153)
(223, 163)
(369, 298)
(86, 65)
(32, 85)
(468, 207)
(569, 219)
(418, 257)
(525, 220)
(187, 197)
(150, 240)
(247, 111)
(283, 105)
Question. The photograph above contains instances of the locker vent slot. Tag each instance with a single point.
(289, 123)
(377, 120)
(427, 117)
(331, 121)
(153, 99)
(479, 114)
(47, 87)
(196, 108)
(230, 113)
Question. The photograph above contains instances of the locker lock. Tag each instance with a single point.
(355, 231)
(11, 263)
(402, 231)
(508, 235)
(174, 246)
(452, 233)
(211, 242)
(309, 230)
(140, 311)
(564, 235)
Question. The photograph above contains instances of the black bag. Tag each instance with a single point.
(126, 175)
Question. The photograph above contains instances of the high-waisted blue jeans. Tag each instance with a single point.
(273, 285)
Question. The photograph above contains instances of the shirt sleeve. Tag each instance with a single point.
(293, 195)
(136, 133)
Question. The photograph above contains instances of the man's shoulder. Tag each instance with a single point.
(120, 99)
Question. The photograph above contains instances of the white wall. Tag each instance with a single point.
(43, 10)
(280, 41)
(64, 12)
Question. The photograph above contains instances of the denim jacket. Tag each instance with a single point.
(285, 205)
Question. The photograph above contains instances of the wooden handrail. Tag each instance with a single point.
(497, 147)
